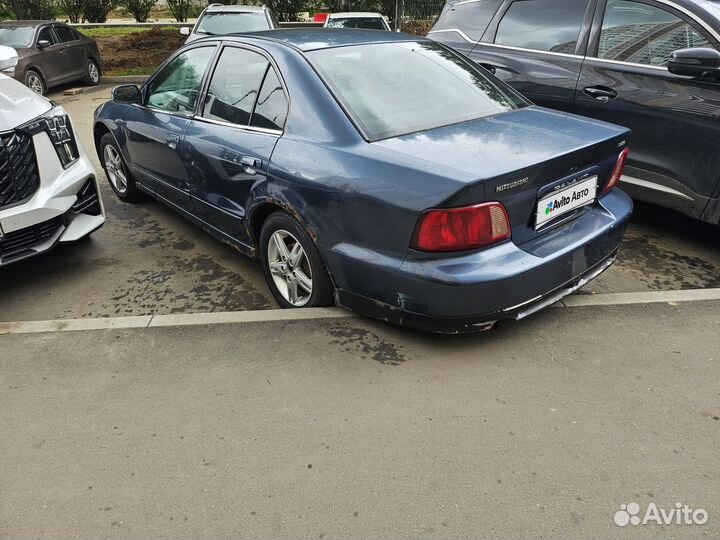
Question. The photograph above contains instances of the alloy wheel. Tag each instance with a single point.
(290, 268)
(93, 72)
(114, 169)
(35, 83)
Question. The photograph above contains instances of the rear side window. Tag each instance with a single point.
(65, 34)
(471, 17)
(234, 86)
(643, 34)
(543, 25)
(271, 108)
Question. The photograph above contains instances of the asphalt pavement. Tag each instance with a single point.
(260, 425)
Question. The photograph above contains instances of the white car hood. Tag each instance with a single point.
(19, 104)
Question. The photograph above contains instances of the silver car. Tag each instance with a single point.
(219, 19)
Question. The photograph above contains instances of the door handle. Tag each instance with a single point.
(601, 93)
(172, 140)
(250, 164)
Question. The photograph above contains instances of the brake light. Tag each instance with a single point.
(617, 171)
(460, 229)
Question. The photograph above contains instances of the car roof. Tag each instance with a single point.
(355, 14)
(212, 8)
(310, 39)
(25, 23)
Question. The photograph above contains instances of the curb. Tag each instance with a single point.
(124, 79)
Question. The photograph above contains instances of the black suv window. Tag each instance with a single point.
(471, 17)
(643, 34)
(64, 33)
(46, 34)
(544, 25)
(271, 108)
(234, 86)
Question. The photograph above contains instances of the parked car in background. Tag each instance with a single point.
(219, 19)
(366, 21)
(48, 190)
(427, 193)
(51, 53)
(651, 65)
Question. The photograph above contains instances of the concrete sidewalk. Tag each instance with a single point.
(354, 429)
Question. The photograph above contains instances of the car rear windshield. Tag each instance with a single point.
(369, 23)
(231, 22)
(392, 89)
(16, 36)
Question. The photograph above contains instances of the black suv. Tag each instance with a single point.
(651, 65)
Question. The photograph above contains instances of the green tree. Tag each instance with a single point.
(287, 10)
(96, 11)
(73, 9)
(140, 9)
(37, 9)
(180, 9)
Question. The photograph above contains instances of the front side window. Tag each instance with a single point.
(643, 34)
(271, 108)
(392, 89)
(64, 33)
(543, 25)
(176, 87)
(366, 23)
(234, 86)
(17, 37)
(46, 34)
(220, 23)
(470, 17)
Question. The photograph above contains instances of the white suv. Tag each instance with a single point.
(219, 19)
(48, 191)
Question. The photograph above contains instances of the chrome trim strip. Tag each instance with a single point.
(654, 186)
(457, 31)
(629, 64)
(237, 126)
(522, 49)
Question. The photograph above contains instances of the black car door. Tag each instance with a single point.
(229, 144)
(537, 46)
(155, 129)
(74, 54)
(675, 144)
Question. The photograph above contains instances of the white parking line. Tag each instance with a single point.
(273, 315)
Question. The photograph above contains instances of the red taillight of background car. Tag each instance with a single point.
(617, 171)
(461, 229)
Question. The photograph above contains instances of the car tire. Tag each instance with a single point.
(35, 82)
(291, 271)
(92, 73)
(117, 172)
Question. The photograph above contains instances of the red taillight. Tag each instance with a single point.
(460, 229)
(617, 171)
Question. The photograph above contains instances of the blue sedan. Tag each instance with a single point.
(380, 172)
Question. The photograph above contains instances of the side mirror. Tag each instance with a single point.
(703, 63)
(8, 58)
(43, 43)
(127, 93)
(185, 31)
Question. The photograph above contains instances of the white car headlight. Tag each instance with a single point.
(56, 124)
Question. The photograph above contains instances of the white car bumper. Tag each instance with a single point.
(63, 209)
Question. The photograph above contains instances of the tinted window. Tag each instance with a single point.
(64, 33)
(642, 34)
(16, 36)
(544, 25)
(470, 17)
(230, 22)
(234, 86)
(368, 23)
(391, 89)
(46, 34)
(271, 108)
(176, 87)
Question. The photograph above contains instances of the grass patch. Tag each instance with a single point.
(117, 31)
(140, 70)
